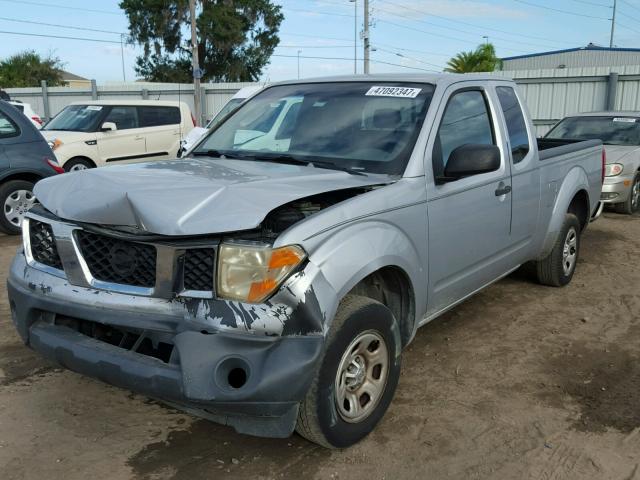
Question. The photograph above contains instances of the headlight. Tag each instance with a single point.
(613, 169)
(55, 143)
(251, 273)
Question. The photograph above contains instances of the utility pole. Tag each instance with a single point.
(299, 51)
(355, 36)
(124, 78)
(613, 23)
(367, 46)
(197, 73)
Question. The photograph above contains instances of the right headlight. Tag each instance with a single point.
(613, 169)
(55, 143)
(250, 273)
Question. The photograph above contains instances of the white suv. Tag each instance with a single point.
(28, 112)
(105, 132)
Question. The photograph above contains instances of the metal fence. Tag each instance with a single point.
(550, 94)
(48, 101)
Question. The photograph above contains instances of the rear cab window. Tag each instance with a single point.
(516, 123)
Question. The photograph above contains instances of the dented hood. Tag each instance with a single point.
(188, 196)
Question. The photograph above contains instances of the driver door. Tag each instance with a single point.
(126, 144)
(469, 218)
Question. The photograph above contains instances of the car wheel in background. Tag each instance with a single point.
(558, 267)
(76, 164)
(633, 202)
(16, 198)
(357, 376)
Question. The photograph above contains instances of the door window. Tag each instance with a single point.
(516, 125)
(124, 117)
(7, 127)
(158, 116)
(466, 120)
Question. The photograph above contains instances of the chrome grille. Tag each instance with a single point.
(198, 269)
(43, 244)
(118, 261)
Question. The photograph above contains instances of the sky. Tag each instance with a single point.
(406, 35)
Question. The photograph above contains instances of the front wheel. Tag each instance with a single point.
(633, 202)
(558, 267)
(357, 377)
(77, 164)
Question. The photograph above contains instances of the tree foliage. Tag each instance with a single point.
(235, 38)
(482, 59)
(28, 69)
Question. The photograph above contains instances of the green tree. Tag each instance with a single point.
(235, 38)
(482, 59)
(28, 69)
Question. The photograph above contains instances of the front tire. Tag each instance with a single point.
(357, 377)
(77, 164)
(633, 202)
(16, 198)
(558, 267)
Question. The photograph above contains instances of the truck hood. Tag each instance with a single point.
(188, 196)
(67, 137)
(616, 153)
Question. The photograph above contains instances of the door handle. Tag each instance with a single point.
(502, 189)
(138, 137)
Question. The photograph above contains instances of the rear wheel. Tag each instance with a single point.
(558, 267)
(357, 377)
(633, 202)
(76, 164)
(16, 198)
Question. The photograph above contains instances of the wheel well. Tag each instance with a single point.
(391, 287)
(27, 176)
(80, 157)
(579, 206)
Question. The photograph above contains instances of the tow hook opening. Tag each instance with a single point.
(232, 373)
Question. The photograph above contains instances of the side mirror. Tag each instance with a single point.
(108, 127)
(470, 159)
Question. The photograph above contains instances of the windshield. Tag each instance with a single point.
(611, 130)
(362, 126)
(76, 118)
(229, 106)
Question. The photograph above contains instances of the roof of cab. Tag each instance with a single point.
(433, 78)
(135, 103)
(608, 113)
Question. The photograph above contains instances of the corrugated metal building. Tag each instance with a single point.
(589, 56)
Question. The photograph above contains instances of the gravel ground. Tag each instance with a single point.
(522, 381)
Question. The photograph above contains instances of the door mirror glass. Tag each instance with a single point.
(108, 127)
(471, 159)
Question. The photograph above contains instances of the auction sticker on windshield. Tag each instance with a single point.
(624, 119)
(97, 108)
(403, 92)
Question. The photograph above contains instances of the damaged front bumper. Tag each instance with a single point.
(247, 366)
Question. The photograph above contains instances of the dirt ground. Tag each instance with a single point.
(520, 382)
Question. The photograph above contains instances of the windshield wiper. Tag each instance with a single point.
(283, 158)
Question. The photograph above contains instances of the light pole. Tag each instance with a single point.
(367, 45)
(299, 51)
(355, 35)
(124, 77)
(613, 24)
(486, 39)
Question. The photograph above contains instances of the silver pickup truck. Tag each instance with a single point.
(271, 284)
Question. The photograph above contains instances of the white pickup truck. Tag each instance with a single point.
(273, 288)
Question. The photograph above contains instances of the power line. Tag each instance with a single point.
(465, 32)
(316, 36)
(560, 11)
(407, 57)
(57, 5)
(350, 59)
(595, 4)
(630, 4)
(58, 25)
(627, 27)
(59, 36)
(333, 14)
(314, 46)
(480, 27)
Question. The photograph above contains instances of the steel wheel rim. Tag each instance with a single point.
(635, 194)
(16, 206)
(77, 167)
(362, 375)
(570, 251)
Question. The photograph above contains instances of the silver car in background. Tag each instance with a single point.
(620, 133)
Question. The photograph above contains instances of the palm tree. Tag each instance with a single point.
(482, 59)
